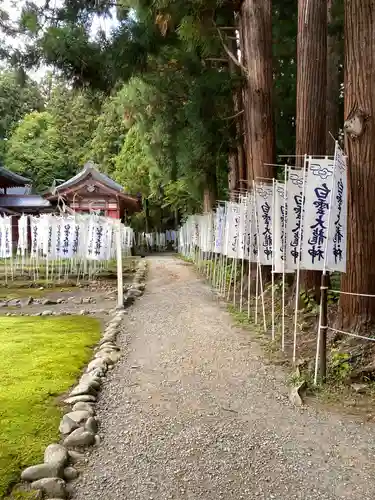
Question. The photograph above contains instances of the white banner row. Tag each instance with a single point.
(63, 237)
(298, 223)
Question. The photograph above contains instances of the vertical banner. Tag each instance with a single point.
(6, 243)
(294, 190)
(243, 230)
(22, 246)
(219, 229)
(279, 226)
(318, 196)
(337, 235)
(264, 207)
(232, 230)
(253, 230)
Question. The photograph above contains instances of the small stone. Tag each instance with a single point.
(83, 312)
(75, 456)
(92, 425)
(56, 453)
(79, 437)
(48, 302)
(109, 357)
(359, 388)
(53, 487)
(47, 313)
(70, 473)
(78, 416)
(67, 425)
(13, 302)
(97, 440)
(91, 380)
(60, 301)
(26, 302)
(86, 398)
(81, 406)
(294, 394)
(133, 292)
(40, 471)
(81, 389)
(97, 363)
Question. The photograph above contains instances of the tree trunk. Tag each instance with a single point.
(233, 177)
(333, 84)
(256, 44)
(209, 200)
(236, 160)
(311, 94)
(356, 312)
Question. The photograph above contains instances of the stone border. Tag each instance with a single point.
(79, 426)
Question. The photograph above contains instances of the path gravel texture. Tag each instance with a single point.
(193, 412)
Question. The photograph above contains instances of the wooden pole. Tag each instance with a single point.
(120, 285)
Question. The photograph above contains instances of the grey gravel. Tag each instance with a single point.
(193, 411)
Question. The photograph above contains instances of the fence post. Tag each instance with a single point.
(323, 327)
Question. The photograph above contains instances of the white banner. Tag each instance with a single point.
(219, 229)
(318, 196)
(337, 235)
(232, 227)
(279, 226)
(264, 207)
(243, 250)
(22, 246)
(294, 190)
(6, 244)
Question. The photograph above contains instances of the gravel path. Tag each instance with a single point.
(192, 412)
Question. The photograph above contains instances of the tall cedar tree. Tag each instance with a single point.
(356, 312)
(256, 44)
(311, 94)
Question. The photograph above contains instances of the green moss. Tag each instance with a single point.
(40, 359)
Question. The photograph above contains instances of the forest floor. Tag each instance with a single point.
(195, 411)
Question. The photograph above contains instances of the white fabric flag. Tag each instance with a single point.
(219, 229)
(22, 246)
(318, 198)
(232, 230)
(337, 235)
(6, 243)
(243, 249)
(294, 218)
(279, 226)
(264, 207)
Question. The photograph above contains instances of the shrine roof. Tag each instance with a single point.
(11, 179)
(90, 169)
(24, 201)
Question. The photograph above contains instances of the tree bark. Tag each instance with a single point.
(356, 312)
(209, 200)
(333, 84)
(236, 157)
(256, 44)
(233, 175)
(311, 94)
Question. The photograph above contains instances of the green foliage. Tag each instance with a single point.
(18, 96)
(34, 150)
(339, 366)
(308, 300)
(54, 144)
(39, 362)
(134, 164)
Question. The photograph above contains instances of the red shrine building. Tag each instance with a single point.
(92, 191)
